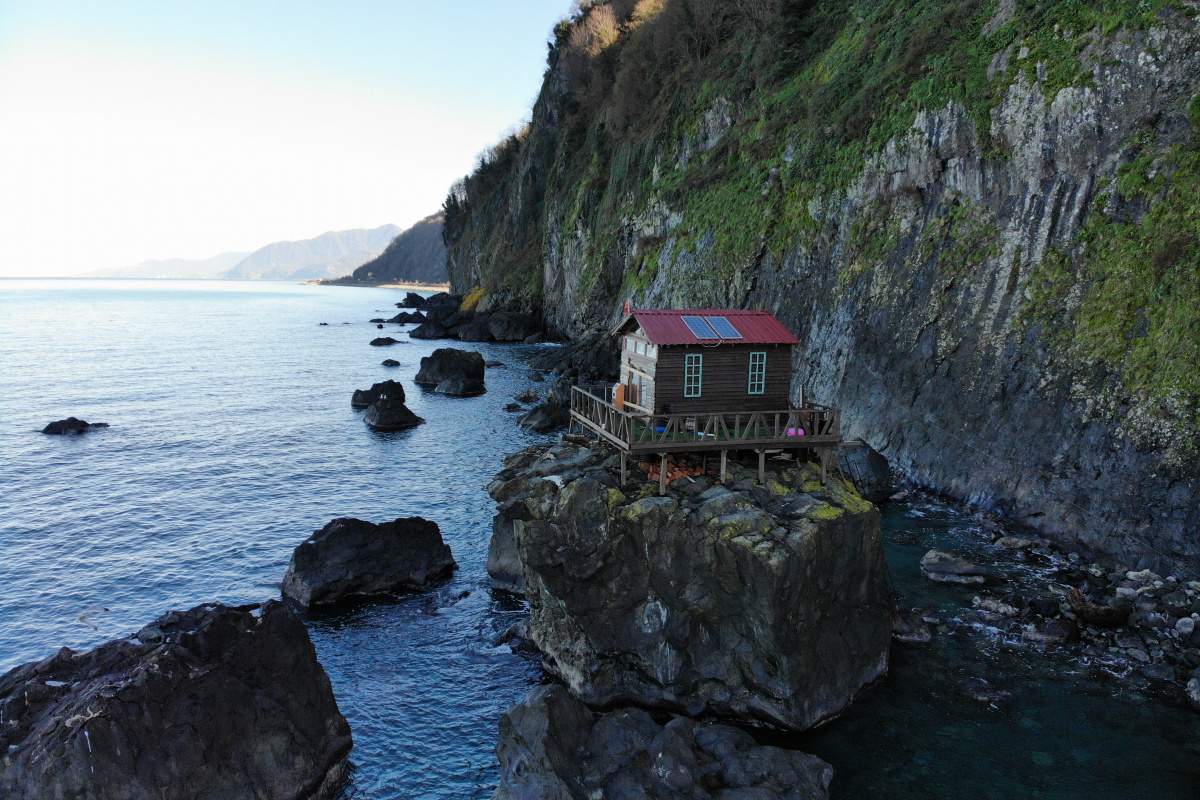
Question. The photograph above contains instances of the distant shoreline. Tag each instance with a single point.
(414, 286)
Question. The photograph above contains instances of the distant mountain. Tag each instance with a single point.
(180, 268)
(326, 256)
(416, 256)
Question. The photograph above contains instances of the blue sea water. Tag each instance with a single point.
(233, 439)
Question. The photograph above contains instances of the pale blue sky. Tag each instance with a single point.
(137, 130)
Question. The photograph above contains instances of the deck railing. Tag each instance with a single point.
(815, 426)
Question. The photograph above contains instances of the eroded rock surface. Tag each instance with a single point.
(72, 425)
(354, 558)
(212, 702)
(552, 746)
(704, 600)
(362, 398)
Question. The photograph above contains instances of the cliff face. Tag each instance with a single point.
(980, 222)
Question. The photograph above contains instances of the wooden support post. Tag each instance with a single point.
(662, 475)
(824, 463)
(762, 467)
(622, 469)
(723, 454)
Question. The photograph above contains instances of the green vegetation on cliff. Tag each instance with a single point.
(417, 255)
(728, 135)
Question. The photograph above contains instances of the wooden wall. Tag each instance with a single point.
(725, 379)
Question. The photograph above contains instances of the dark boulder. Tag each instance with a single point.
(545, 418)
(560, 392)
(353, 558)
(212, 702)
(390, 414)
(390, 362)
(511, 407)
(503, 563)
(383, 341)
(552, 746)
(412, 300)
(449, 362)
(705, 604)
(72, 425)
(365, 397)
(442, 306)
(869, 470)
(428, 330)
(494, 364)
(528, 396)
(458, 386)
(405, 318)
(379, 319)
(475, 330)
(509, 326)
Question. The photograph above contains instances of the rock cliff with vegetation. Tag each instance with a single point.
(416, 255)
(979, 218)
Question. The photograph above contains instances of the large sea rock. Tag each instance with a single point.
(766, 603)
(510, 326)
(362, 398)
(545, 418)
(553, 748)
(354, 558)
(215, 702)
(449, 362)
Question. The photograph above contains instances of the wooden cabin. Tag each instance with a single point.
(683, 361)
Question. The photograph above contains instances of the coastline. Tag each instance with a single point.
(411, 286)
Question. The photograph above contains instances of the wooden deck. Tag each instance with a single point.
(815, 427)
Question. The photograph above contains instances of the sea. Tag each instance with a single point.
(232, 439)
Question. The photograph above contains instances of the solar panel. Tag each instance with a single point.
(723, 327)
(699, 327)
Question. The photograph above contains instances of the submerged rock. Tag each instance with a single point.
(449, 362)
(365, 397)
(72, 425)
(354, 558)
(545, 418)
(943, 567)
(212, 702)
(390, 362)
(384, 341)
(552, 747)
(711, 603)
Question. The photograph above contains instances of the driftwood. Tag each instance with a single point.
(1100, 616)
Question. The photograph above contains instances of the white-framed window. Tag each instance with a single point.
(640, 348)
(693, 375)
(758, 374)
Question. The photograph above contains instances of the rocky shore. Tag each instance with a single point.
(217, 701)
(1023, 592)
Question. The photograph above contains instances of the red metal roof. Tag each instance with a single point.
(665, 326)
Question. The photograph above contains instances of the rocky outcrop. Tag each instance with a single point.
(943, 567)
(510, 326)
(503, 562)
(412, 300)
(351, 558)
(870, 471)
(390, 362)
(428, 330)
(212, 702)
(362, 398)
(72, 425)
(545, 418)
(474, 330)
(407, 317)
(390, 414)
(384, 341)
(553, 748)
(998, 293)
(448, 362)
(458, 386)
(744, 602)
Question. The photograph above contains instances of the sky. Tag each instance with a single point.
(169, 129)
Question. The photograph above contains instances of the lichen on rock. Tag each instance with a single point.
(743, 603)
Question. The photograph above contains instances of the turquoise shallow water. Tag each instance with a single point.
(233, 439)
